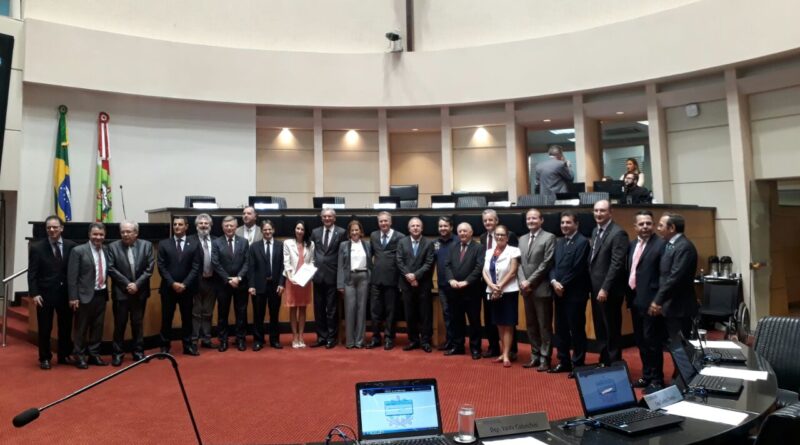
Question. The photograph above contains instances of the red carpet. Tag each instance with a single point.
(285, 396)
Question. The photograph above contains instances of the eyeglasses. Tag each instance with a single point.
(500, 235)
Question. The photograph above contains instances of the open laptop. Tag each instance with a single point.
(399, 411)
(683, 355)
(607, 397)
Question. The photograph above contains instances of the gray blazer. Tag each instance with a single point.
(343, 275)
(119, 269)
(553, 176)
(536, 262)
(81, 275)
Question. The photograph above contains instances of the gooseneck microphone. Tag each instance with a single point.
(31, 414)
(122, 200)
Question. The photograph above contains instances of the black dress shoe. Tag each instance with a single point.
(80, 363)
(116, 360)
(319, 344)
(427, 347)
(207, 344)
(97, 361)
(240, 345)
(411, 346)
(276, 345)
(476, 355)
(388, 345)
(165, 349)
(66, 360)
(454, 351)
(560, 368)
(350, 346)
(535, 362)
(257, 346)
(191, 350)
(138, 356)
(44, 364)
(444, 347)
(376, 341)
(544, 366)
(491, 353)
(223, 346)
(641, 383)
(330, 345)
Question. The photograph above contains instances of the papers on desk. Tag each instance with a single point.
(705, 412)
(744, 374)
(302, 276)
(718, 344)
(515, 441)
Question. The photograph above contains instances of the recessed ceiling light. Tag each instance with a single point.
(563, 131)
(415, 129)
(643, 122)
(546, 120)
(620, 112)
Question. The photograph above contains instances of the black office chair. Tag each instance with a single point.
(188, 200)
(408, 204)
(780, 426)
(589, 198)
(778, 341)
(280, 200)
(471, 202)
(535, 200)
(724, 302)
(338, 199)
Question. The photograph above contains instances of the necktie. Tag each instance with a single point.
(132, 262)
(57, 252)
(100, 273)
(206, 258)
(178, 247)
(230, 246)
(269, 260)
(597, 241)
(327, 238)
(463, 251)
(530, 241)
(384, 240)
(489, 239)
(415, 246)
(637, 254)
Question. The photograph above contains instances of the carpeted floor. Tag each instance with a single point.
(270, 396)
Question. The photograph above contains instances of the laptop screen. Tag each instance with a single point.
(683, 359)
(604, 390)
(398, 409)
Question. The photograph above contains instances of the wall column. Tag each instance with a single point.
(588, 152)
(511, 151)
(659, 158)
(319, 186)
(447, 152)
(384, 172)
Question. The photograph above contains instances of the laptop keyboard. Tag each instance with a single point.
(726, 354)
(439, 440)
(630, 416)
(709, 382)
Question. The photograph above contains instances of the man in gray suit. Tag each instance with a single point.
(86, 284)
(130, 265)
(250, 231)
(537, 248)
(326, 256)
(553, 174)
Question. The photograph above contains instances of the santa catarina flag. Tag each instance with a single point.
(103, 213)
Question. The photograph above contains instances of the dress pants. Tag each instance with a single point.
(355, 308)
(649, 334)
(44, 315)
(224, 296)
(465, 304)
(169, 300)
(203, 310)
(607, 318)
(570, 330)
(326, 312)
(383, 300)
(132, 307)
(89, 319)
(418, 307)
(444, 290)
(539, 324)
(270, 299)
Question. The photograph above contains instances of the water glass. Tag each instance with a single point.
(466, 424)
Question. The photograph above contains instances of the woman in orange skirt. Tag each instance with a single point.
(296, 253)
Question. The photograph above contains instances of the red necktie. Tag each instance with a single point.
(463, 251)
(489, 238)
(100, 273)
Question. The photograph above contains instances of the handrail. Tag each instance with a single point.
(5, 300)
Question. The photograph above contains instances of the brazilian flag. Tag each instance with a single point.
(61, 190)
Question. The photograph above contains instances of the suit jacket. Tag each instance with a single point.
(647, 272)
(676, 283)
(421, 265)
(227, 266)
(384, 270)
(184, 268)
(570, 262)
(326, 258)
(343, 263)
(291, 257)
(637, 195)
(552, 176)
(512, 239)
(607, 266)
(258, 269)
(81, 274)
(119, 268)
(257, 236)
(470, 269)
(536, 262)
(46, 275)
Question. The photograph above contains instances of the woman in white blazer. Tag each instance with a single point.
(502, 289)
(297, 252)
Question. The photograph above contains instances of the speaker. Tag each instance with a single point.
(6, 51)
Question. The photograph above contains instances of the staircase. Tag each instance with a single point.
(18, 316)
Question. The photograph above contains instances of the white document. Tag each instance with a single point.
(705, 412)
(302, 276)
(719, 344)
(744, 374)
(515, 441)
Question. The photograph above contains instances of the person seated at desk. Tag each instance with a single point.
(632, 166)
(635, 194)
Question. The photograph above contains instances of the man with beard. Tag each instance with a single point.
(204, 298)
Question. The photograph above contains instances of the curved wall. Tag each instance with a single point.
(695, 37)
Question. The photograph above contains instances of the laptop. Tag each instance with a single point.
(683, 355)
(399, 411)
(607, 397)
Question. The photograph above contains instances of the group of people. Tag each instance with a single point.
(555, 276)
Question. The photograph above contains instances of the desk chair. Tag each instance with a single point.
(408, 203)
(535, 200)
(780, 426)
(589, 198)
(724, 302)
(280, 200)
(778, 341)
(471, 202)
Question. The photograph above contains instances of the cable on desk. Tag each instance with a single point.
(336, 431)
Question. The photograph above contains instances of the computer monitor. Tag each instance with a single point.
(404, 192)
(320, 200)
(576, 187)
(390, 200)
(262, 203)
(200, 202)
(613, 187)
(443, 198)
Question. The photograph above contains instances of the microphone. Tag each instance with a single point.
(122, 200)
(31, 414)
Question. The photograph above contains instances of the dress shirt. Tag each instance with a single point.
(358, 256)
(388, 236)
(249, 233)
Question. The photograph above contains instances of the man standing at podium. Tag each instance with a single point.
(326, 241)
(250, 230)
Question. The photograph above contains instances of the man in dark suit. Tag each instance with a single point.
(569, 279)
(383, 281)
(490, 221)
(229, 258)
(47, 286)
(447, 239)
(644, 259)
(607, 272)
(326, 255)
(178, 261)
(675, 300)
(464, 269)
(415, 263)
(87, 273)
(553, 174)
(266, 281)
(205, 295)
(537, 248)
(130, 265)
